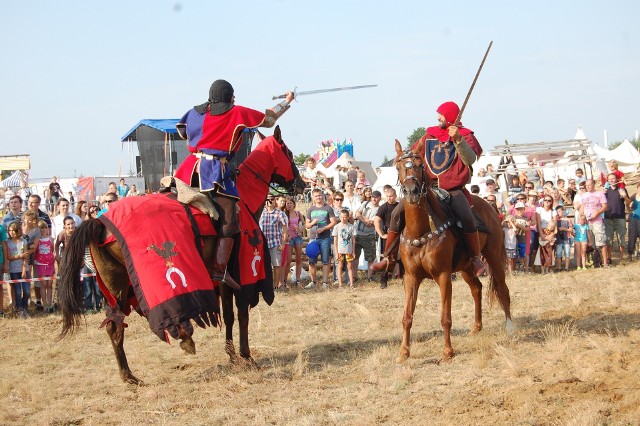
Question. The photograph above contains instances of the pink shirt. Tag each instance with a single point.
(591, 203)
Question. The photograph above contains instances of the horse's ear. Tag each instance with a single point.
(398, 147)
(277, 134)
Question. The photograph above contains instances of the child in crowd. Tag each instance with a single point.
(18, 268)
(344, 246)
(563, 238)
(509, 228)
(514, 189)
(361, 179)
(522, 231)
(547, 240)
(296, 231)
(31, 233)
(63, 237)
(44, 264)
(580, 230)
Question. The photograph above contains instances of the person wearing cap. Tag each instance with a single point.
(452, 174)
(490, 190)
(214, 131)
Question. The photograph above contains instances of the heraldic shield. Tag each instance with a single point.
(439, 156)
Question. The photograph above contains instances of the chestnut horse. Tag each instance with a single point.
(270, 162)
(431, 248)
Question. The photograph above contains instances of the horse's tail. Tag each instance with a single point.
(70, 288)
(496, 280)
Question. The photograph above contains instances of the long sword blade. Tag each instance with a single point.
(336, 89)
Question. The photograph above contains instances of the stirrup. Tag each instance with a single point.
(226, 279)
(378, 266)
(478, 266)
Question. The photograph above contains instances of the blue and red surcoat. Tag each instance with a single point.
(213, 140)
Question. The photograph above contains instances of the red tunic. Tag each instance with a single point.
(217, 135)
(224, 132)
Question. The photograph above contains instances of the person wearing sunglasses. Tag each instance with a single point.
(107, 200)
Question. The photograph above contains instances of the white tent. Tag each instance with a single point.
(625, 154)
(387, 176)
(367, 168)
(345, 160)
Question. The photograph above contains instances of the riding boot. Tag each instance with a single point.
(223, 252)
(390, 257)
(473, 244)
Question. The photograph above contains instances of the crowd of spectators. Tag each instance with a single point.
(573, 222)
(33, 237)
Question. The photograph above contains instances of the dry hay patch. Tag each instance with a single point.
(328, 357)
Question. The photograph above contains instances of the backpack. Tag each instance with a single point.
(360, 226)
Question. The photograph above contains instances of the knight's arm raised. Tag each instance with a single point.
(272, 114)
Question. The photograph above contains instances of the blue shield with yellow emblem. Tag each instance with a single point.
(439, 156)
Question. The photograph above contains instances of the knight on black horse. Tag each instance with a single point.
(215, 133)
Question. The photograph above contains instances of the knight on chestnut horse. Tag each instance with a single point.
(449, 163)
(424, 226)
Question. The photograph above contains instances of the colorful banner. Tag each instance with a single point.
(85, 190)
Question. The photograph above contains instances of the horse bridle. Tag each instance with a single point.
(408, 160)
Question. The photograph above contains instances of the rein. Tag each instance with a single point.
(287, 191)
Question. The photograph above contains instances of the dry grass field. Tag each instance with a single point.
(328, 357)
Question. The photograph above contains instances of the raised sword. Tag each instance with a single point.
(315, 92)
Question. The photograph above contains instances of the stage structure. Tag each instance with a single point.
(160, 149)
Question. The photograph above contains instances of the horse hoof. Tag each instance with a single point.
(131, 379)
(448, 355)
(250, 362)
(188, 345)
(402, 358)
(475, 329)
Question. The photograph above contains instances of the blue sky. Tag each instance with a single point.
(77, 75)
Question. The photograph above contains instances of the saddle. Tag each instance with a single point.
(186, 194)
(445, 198)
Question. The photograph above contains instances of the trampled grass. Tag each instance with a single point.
(328, 357)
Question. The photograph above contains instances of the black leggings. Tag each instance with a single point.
(228, 220)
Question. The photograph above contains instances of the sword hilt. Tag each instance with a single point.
(295, 95)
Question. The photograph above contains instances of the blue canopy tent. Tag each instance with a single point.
(161, 149)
